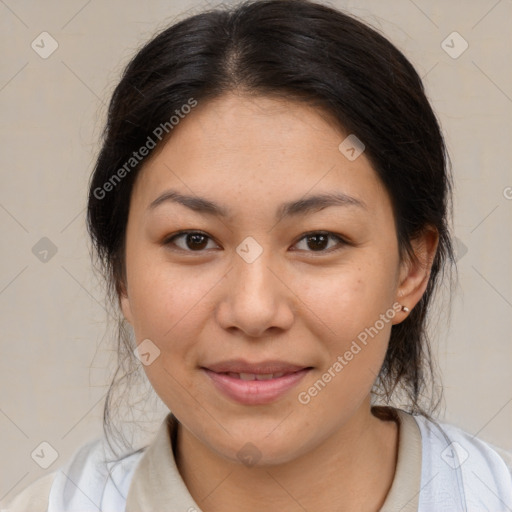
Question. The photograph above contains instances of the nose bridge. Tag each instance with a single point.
(253, 275)
(254, 299)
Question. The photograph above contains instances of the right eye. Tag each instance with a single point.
(193, 241)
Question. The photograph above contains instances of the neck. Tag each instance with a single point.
(353, 469)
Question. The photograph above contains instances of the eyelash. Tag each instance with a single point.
(341, 241)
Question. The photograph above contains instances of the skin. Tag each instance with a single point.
(293, 303)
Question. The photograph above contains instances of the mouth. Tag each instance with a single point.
(256, 383)
(254, 376)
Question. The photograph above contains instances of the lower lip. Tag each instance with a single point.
(255, 392)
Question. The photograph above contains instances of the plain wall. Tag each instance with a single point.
(57, 356)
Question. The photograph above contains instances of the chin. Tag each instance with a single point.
(251, 452)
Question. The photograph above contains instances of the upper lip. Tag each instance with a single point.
(260, 368)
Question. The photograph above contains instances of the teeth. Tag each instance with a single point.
(253, 376)
(265, 376)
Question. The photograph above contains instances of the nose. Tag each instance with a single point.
(256, 298)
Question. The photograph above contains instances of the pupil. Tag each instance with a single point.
(322, 243)
(196, 239)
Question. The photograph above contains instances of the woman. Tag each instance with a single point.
(270, 205)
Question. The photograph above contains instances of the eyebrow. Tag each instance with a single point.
(293, 208)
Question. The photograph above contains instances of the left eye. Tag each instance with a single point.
(196, 241)
(320, 239)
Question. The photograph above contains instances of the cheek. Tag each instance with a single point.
(348, 298)
(352, 311)
(350, 371)
(168, 299)
(167, 306)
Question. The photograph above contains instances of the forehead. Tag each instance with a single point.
(256, 149)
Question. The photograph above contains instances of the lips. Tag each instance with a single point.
(255, 383)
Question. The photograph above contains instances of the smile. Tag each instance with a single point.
(252, 388)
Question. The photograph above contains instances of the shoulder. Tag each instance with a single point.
(34, 497)
(91, 480)
(505, 455)
(463, 470)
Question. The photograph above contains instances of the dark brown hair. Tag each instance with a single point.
(309, 52)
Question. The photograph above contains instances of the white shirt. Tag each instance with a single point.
(439, 468)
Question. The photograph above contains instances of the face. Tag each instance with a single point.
(267, 283)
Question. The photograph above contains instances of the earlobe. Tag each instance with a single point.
(124, 303)
(125, 308)
(415, 273)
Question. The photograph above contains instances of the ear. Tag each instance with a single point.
(414, 275)
(124, 303)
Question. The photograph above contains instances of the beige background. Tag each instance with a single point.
(56, 353)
